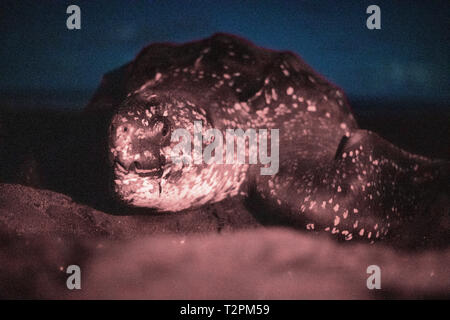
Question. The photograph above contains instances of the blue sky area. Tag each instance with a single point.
(408, 58)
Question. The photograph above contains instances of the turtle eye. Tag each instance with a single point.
(161, 126)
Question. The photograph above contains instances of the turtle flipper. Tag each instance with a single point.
(370, 190)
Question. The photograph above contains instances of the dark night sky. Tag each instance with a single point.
(407, 59)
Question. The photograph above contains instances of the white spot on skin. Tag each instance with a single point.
(337, 220)
(311, 108)
(289, 91)
(310, 226)
(345, 214)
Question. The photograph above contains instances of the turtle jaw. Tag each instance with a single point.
(139, 187)
(135, 168)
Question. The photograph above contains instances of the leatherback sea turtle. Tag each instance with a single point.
(332, 176)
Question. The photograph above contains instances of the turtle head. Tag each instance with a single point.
(141, 143)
